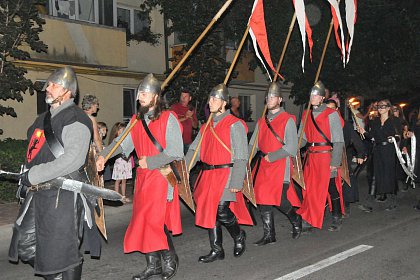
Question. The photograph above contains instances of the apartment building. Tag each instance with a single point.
(90, 35)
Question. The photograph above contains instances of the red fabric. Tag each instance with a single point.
(210, 187)
(151, 210)
(336, 26)
(187, 125)
(35, 144)
(316, 173)
(268, 185)
(309, 34)
(257, 25)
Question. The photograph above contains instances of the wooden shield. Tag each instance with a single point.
(183, 182)
(344, 168)
(248, 187)
(298, 170)
(98, 181)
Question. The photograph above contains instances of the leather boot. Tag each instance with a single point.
(337, 219)
(296, 221)
(238, 236)
(58, 276)
(170, 260)
(154, 267)
(216, 240)
(74, 273)
(269, 236)
(392, 204)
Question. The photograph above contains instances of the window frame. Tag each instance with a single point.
(132, 15)
(53, 11)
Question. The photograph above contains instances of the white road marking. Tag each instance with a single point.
(325, 263)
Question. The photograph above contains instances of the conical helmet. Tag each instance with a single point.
(64, 77)
(150, 84)
(318, 89)
(275, 89)
(220, 91)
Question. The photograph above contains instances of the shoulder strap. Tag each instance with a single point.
(220, 140)
(55, 146)
(319, 130)
(152, 138)
(272, 130)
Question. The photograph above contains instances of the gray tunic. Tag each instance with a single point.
(173, 151)
(289, 148)
(76, 139)
(337, 137)
(238, 141)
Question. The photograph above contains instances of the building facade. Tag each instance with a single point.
(90, 35)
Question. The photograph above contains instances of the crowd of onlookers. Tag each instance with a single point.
(389, 148)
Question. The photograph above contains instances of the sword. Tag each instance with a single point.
(74, 186)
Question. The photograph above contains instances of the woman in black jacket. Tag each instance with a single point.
(384, 156)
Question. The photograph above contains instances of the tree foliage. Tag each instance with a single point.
(20, 25)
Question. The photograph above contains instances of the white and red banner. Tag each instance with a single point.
(258, 32)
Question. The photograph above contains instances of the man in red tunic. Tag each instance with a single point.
(273, 186)
(323, 136)
(156, 203)
(217, 193)
(187, 116)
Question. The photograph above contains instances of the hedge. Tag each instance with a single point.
(12, 155)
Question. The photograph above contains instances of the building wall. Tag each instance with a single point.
(110, 95)
(84, 43)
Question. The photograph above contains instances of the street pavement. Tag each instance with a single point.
(392, 242)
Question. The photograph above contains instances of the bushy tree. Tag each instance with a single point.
(20, 25)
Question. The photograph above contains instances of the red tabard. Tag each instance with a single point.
(316, 172)
(268, 185)
(209, 190)
(151, 210)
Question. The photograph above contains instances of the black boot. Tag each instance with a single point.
(58, 276)
(154, 267)
(269, 237)
(74, 273)
(170, 259)
(296, 221)
(238, 236)
(216, 240)
(337, 219)
(392, 202)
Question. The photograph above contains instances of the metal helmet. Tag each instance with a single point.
(150, 84)
(220, 91)
(318, 89)
(275, 89)
(64, 77)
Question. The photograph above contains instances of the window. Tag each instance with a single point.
(245, 107)
(129, 103)
(85, 10)
(123, 18)
(106, 12)
(131, 19)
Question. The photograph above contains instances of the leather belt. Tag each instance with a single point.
(319, 152)
(206, 166)
(317, 144)
(75, 175)
(381, 143)
(40, 187)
